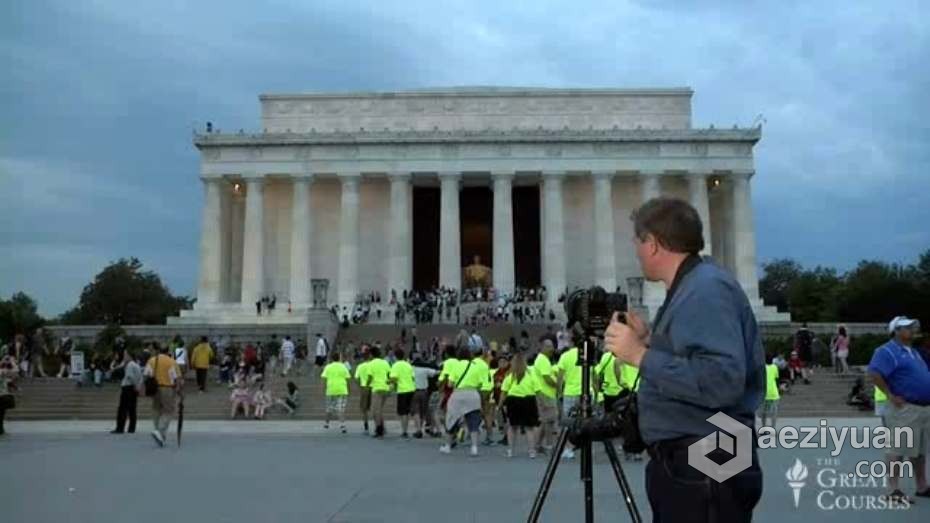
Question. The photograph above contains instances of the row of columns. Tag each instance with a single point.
(400, 264)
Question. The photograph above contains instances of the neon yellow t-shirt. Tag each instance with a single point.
(447, 365)
(607, 369)
(378, 372)
(361, 374)
(402, 371)
(880, 396)
(337, 379)
(526, 387)
(542, 367)
(771, 382)
(628, 375)
(571, 372)
(473, 379)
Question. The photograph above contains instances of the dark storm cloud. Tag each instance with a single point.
(99, 100)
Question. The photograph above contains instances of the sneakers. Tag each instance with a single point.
(532, 454)
(474, 451)
(445, 449)
(509, 453)
(568, 454)
(326, 426)
(487, 442)
(405, 435)
(418, 434)
(159, 439)
(343, 429)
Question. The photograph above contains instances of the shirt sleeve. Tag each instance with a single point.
(883, 362)
(703, 360)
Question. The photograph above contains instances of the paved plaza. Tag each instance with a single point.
(296, 471)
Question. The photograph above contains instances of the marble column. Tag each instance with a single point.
(348, 239)
(209, 287)
(604, 256)
(697, 195)
(503, 266)
(450, 242)
(653, 291)
(744, 235)
(299, 293)
(554, 242)
(400, 261)
(253, 244)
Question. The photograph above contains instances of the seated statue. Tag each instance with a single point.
(476, 274)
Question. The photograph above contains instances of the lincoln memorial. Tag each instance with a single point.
(342, 194)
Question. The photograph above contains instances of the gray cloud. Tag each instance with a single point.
(100, 98)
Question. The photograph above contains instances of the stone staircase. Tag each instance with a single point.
(824, 397)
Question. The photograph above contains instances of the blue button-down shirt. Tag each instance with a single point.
(904, 370)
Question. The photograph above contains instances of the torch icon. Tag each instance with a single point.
(796, 476)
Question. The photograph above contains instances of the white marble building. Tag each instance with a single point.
(325, 191)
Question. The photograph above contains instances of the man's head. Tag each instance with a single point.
(375, 352)
(288, 338)
(903, 329)
(399, 353)
(335, 356)
(547, 347)
(666, 231)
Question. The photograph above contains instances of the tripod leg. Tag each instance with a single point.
(625, 488)
(587, 473)
(547, 477)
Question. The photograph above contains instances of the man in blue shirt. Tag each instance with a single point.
(901, 373)
(702, 357)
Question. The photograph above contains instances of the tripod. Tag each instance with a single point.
(584, 411)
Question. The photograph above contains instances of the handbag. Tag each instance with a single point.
(151, 382)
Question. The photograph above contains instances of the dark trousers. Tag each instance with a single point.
(679, 493)
(202, 379)
(128, 398)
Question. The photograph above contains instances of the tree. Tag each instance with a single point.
(877, 291)
(778, 275)
(124, 293)
(812, 295)
(19, 315)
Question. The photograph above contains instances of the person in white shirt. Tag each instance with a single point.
(287, 355)
(180, 356)
(421, 407)
(322, 350)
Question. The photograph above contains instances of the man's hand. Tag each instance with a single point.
(624, 342)
(637, 324)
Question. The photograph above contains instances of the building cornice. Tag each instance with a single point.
(367, 137)
(479, 91)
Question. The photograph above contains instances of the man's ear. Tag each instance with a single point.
(653, 244)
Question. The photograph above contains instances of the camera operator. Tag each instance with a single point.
(703, 355)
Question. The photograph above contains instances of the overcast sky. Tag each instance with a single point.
(98, 98)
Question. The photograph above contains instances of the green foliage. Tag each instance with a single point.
(19, 315)
(872, 292)
(124, 293)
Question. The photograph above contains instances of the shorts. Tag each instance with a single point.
(568, 403)
(365, 400)
(336, 404)
(548, 409)
(420, 403)
(320, 360)
(473, 421)
(917, 419)
(769, 409)
(404, 401)
(522, 411)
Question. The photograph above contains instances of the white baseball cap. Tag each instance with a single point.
(901, 321)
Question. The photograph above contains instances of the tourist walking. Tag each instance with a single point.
(337, 376)
(130, 386)
(464, 403)
(288, 353)
(200, 360)
(164, 370)
(772, 395)
(403, 379)
(180, 355)
(421, 397)
(379, 372)
(518, 398)
(361, 376)
(547, 398)
(322, 350)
